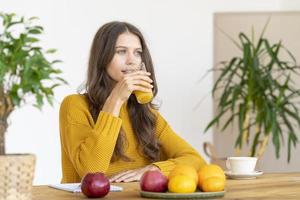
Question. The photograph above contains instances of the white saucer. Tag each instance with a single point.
(252, 175)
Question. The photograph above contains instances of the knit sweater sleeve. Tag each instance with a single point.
(177, 150)
(88, 145)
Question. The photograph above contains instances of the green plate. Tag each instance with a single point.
(170, 195)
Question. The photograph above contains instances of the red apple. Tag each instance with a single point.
(154, 181)
(95, 185)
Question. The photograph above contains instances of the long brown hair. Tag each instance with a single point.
(99, 86)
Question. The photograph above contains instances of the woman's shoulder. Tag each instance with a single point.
(74, 108)
(75, 101)
(74, 98)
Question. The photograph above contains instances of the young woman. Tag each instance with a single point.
(106, 129)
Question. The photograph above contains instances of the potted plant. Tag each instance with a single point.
(24, 71)
(257, 92)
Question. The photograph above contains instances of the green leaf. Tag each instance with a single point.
(62, 80)
(265, 27)
(34, 31)
(16, 100)
(230, 120)
(292, 138)
(231, 38)
(56, 61)
(242, 115)
(31, 40)
(216, 119)
(51, 51)
(275, 139)
(33, 18)
(255, 142)
(50, 99)
(54, 86)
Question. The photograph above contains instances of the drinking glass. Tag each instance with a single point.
(141, 96)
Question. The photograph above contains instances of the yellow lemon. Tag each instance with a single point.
(208, 171)
(213, 184)
(185, 170)
(182, 184)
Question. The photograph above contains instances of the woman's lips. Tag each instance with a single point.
(126, 71)
(133, 68)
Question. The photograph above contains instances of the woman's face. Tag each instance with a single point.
(128, 54)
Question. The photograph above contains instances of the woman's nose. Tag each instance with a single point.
(132, 59)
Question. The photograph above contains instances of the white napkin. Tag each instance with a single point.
(75, 187)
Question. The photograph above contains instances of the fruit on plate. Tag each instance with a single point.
(182, 184)
(154, 181)
(95, 185)
(184, 170)
(211, 178)
(213, 184)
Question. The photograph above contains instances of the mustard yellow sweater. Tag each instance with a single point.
(88, 147)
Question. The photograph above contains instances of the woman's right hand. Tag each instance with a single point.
(137, 80)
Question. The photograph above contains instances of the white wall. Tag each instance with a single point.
(179, 33)
(292, 5)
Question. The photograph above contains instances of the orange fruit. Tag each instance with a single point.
(185, 170)
(182, 184)
(213, 184)
(208, 171)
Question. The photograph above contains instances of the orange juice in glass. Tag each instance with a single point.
(143, 97)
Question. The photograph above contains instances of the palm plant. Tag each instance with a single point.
(24, 68)
(258, 92)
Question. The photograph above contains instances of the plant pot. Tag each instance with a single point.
(16, 172)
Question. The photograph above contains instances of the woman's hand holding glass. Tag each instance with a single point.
(132, 81)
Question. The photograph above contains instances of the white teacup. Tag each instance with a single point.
(243, 165)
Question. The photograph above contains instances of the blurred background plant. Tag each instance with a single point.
(24, 69)
(257, 91)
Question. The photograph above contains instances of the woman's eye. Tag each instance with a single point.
(121, 51)
(138, 53)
